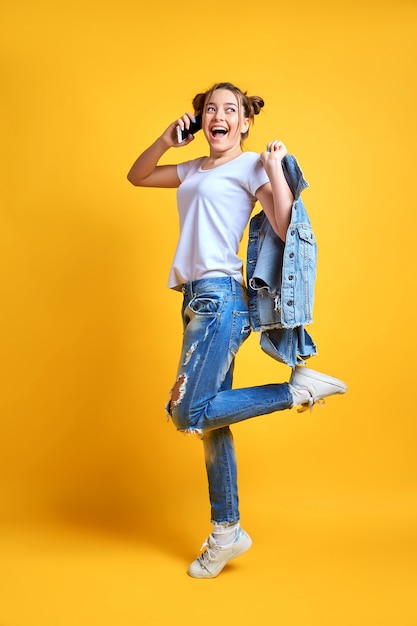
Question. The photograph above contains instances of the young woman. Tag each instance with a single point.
(216, 195)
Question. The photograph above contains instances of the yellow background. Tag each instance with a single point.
(103, 504)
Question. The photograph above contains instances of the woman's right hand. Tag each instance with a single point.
(145, 171)
(170, 135)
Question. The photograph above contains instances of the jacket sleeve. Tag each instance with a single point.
(294, 175)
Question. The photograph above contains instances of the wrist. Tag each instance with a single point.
(163, 143)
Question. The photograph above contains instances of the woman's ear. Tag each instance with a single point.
(245, 126)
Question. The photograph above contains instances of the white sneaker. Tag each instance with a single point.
(318, 385)
(211, 562)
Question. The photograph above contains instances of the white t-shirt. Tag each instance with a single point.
(214, 208)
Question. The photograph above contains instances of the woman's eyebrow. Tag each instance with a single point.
(224, 103)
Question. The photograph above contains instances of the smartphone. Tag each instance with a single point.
(194, 127)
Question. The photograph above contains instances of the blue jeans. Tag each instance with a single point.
(216, 323)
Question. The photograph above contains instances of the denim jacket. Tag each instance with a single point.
(281, 277)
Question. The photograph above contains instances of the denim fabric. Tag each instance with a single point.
(216, 323)
(281, 277)
(288, 345)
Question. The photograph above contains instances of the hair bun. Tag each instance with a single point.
(256, 103)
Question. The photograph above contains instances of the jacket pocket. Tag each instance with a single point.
(308, 247)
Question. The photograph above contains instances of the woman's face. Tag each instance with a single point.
(223, 121)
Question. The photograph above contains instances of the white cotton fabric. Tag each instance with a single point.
(214, 208)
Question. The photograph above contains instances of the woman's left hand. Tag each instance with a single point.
(274, 153)
(276, 197)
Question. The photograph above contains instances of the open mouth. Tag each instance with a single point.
(218, 131)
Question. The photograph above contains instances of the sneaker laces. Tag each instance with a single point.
(208, 550)
(310, 405)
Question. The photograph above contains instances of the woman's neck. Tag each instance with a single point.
(218, 158)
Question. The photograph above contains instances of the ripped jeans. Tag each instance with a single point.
(216, 323)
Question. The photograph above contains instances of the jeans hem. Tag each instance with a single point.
(226, 522)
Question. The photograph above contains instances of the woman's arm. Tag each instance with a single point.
(276, 197)
(145, 171)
